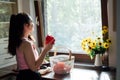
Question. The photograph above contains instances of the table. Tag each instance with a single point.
(82, 74)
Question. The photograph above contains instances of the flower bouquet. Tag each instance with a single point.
(97, 45)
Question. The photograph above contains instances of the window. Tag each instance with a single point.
(6, 9)
(70, 21)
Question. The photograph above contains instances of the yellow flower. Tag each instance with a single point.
(105, 28)
(88, 50)
(104, 31)
(108, 41)
(92, 45)
(106, 45)
(98, 38)
(100, 43)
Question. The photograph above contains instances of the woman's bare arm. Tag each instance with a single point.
(29, 55)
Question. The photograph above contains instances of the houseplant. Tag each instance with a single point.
(96, 46)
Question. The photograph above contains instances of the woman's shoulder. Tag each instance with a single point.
(27, 43)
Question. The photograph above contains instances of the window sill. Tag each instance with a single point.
(92, 67)
(82, 58)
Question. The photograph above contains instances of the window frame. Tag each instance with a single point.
(78, 57)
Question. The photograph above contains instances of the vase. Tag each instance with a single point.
(98, 60)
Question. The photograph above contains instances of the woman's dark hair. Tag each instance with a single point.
(16, 31)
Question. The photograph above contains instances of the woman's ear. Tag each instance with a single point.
(26, 25)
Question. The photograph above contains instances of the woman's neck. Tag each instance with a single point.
(25, 36)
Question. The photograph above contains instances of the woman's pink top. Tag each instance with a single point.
(21, 62)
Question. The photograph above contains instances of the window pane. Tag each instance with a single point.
(70, 21)
(6, 9)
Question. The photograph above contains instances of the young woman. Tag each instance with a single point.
(21, 44)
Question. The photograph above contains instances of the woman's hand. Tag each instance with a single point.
(49, 45)
(49, 42)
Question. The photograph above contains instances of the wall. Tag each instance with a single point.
(28, 7)
(112, 34)
(118, 39)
